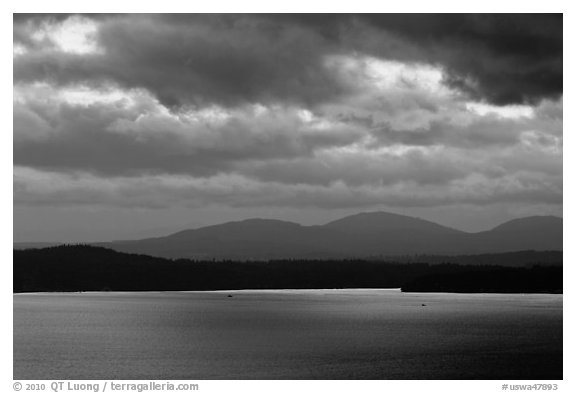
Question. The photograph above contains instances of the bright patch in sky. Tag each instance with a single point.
(507, 111)
(79, 95)
(73, 35)
(214, 115)
(390, 75)
(84, 96)
(18, 50)
(394, 74)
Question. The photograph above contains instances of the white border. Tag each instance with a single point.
(303, 7)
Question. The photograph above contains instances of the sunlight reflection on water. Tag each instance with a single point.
(287, 334)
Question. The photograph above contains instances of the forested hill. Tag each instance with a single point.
(88, 268)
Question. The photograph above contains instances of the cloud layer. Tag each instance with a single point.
(339, 111)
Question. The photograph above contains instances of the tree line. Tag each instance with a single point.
(89, 268)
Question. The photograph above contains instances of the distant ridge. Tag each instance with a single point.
(533, 223)
(357, 236)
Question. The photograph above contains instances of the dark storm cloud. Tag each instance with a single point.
(230, 59)
(192, 60)
(287, 110)
(511, 58)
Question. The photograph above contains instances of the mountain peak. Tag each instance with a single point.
(264, 221)
(385, 221)
(247, 224)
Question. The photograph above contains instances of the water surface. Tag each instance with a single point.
(287, 334)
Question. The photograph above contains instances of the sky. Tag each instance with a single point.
(127, 126)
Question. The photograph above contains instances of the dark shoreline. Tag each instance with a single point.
(88, 268)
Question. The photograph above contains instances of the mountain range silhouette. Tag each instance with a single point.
(357, 236)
